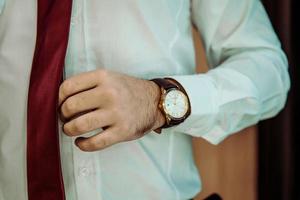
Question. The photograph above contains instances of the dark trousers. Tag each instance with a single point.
(212, 197)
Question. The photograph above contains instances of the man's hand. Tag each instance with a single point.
(125, 107)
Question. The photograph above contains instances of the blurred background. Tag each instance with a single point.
(261, 161)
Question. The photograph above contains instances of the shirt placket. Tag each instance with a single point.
(84, 163)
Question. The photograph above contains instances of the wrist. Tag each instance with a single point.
(160, 119)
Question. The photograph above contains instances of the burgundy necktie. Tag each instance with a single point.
(44, 174)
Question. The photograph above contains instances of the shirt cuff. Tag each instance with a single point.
(202, 93)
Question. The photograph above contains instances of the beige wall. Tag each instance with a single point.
(230, 168)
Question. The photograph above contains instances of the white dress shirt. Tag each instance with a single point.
(247, 82)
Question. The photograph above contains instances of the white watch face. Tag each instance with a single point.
(176, 104)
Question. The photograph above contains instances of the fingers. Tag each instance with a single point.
(78, 83)
(83, 101)
(88, 122)
(100, 141)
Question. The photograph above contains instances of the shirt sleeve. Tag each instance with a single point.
(248, 78)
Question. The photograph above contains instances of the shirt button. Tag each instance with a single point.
(84, 171)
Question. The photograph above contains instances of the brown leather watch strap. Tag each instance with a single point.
(167, 84)
(181, 88)
(164, 83)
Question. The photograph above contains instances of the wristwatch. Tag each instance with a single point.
(174, 102)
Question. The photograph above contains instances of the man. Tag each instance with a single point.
(111, 110)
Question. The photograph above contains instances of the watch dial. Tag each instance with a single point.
(176, 104)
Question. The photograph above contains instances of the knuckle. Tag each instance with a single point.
(66, 87)
(103, 143)
(101, 74)
(79, 125)
(126, 128)
(89, 123)
(94, 122)
(69, 106)
(112, 93)
(94, 144)
(67, 130)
